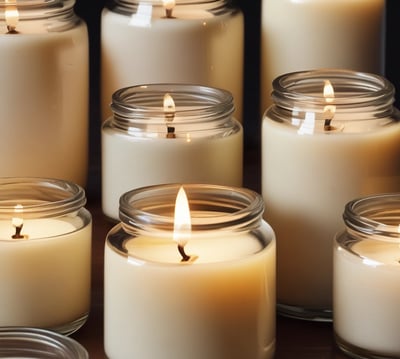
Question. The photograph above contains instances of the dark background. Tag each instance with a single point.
(90, 11)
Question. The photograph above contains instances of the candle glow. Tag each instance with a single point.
(168, 6)
(329, 110)
(169, 111)
(11, 16)
(18, 222)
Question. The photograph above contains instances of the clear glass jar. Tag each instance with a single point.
(228, 276)
(45, 254)
(142, 42)
(367, 278)
(144, 143)
(318, 152)
(34, 343)
(44, 91)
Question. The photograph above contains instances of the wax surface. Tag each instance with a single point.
(223, 310)
(194, 47)
(306, 182)
(129, 162)
(345, 34)
(367, 296)
(44, 102)
(45, 281)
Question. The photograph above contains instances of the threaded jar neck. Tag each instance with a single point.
(49, 15)
(151, 209)
(196, 108)
(357, 96)
(131, 6)
(39, 197)
(377, 215)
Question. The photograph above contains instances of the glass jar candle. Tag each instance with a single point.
(45, 254)
(201, 281)
(367, 278)
(331, 135)
(329, 34)
(35, 343)
(185, 41)
(151, 140)
(43, 90)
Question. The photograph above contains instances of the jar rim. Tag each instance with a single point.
(154, 205)
(34, 341)
(351, 87)
(377, 215)
(40, 197)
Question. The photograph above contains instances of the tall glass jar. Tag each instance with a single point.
(185, 41)
(329, 34)
(201, 281)
(147, 141)
(366, 282)
(43, 90)
(45, 254)
(330, 136)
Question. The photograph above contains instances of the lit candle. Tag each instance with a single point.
(367, 278)
(169, 134)
(172, 41)
(309, 172)
(43, 91)
(202, 286)
(329, 34)
(45, 249)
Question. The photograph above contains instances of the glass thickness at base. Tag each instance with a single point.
(360, 353)
(315, 315)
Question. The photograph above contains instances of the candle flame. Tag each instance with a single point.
(11, 15)
(329, 110)
(17, 221)
(182, 220)
(169, 106)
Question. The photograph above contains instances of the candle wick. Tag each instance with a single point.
(11, 30)
(18, 234)
(170, 132)
(168, 14)
(327, 125)
(181, 250)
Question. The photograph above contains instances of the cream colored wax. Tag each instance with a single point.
(195, 46)
(367, 296)
(306, 182)
(130, 161)
(310, 34)
(45, 278)
(220, 306)
(44, 103)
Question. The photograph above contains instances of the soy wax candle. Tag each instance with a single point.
(44, 90)
(366, 284)
(185, 41)
(45, 254)
(164, 133)
(331, 135)
(195, 278)
(346, 34)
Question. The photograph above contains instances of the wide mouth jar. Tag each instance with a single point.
(375, 216)
(351, 100)
(37, 16)
(34, 343)
(143, 110)
(219, 214)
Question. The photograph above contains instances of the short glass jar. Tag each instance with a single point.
(146, 142)
(214, 278)
(44, 90)
(366, 284)
(185, 41)
(45, 254)
(331, 135)
(35, 343)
